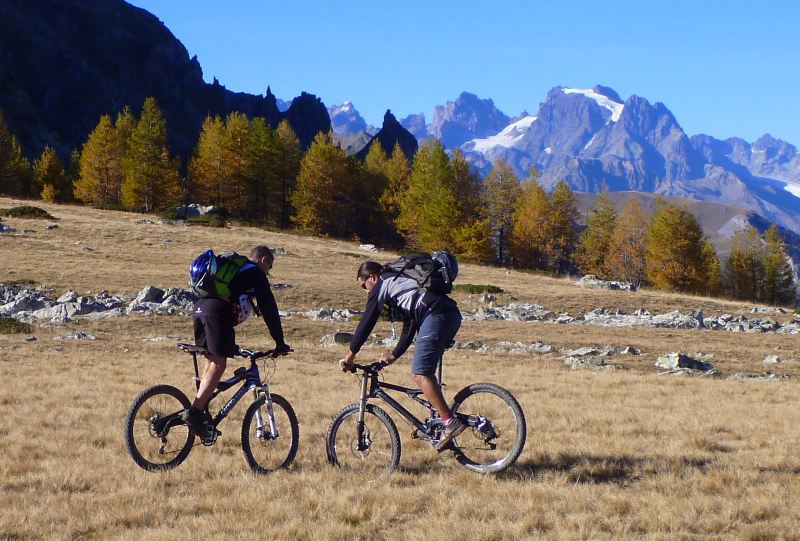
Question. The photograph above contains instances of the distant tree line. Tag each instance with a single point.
(429, 201)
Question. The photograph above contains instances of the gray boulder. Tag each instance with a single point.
(673, 361)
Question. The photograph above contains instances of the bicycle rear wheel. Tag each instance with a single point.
(496, 428)
(156, 437)
(266, 447)
(373, 448)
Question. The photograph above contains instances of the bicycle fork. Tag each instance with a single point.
(270, 432)
(363, 441)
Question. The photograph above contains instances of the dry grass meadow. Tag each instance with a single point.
(611, 454)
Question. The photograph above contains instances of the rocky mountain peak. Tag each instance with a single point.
(391, 133)
(468, 117)
(345, 119)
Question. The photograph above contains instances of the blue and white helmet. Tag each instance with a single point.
(201, 268)
(449, 262)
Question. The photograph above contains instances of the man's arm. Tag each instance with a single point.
(269, 310)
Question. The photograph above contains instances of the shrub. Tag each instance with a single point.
(9, 325)
(27, 211)
(477, 288)
(171, 214)
(208, 220)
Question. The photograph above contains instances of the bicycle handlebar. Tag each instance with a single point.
(254, 355)
(373, 368)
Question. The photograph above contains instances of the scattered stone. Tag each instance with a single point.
(630, 350)
(767, 310)
(488, 298)
(672, 361)
(76, 335)
(170, 241)
(30, 339)
(280, 251)
(192, 210)
(158, 339)
(590, 281)
(564, 318)
(772, 359)
(52, 226)
(6, 228)
(339, 337)
(765, 377)
(144, 221)
(367, 247)
(473, 345)
(281, 286)
(331, 314)
(69, 296)
(541, 348)
(585, 361)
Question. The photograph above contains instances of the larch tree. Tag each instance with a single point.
(628, 244)
(714, 285)
(501, 191)
(207, 173)
(372, 181)
(779, 283)
(262, 153)
(288, 169)
(562, 229)
(675, 249)
(15, 173)
(50, 180)
(592, 250)
(744, 270)
(530, 226)
(100, 167)
(397, 171)
(322, 195)
(151, 176)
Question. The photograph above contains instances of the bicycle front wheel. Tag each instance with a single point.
(496, 428)
(270, 444)
(371, 448)
(156, 437)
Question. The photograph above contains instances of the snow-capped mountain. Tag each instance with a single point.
(459, 121)
(591, 138)
(345, 120)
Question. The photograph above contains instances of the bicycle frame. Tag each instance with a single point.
(371, 387)
(251, 378)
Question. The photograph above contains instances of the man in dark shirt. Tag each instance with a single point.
(214, 321)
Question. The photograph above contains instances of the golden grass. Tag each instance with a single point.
(619, 454)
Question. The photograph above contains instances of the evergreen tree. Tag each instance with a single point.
(675, 249)
(15, 173)
(562, 231)
(779, 286)
(628, 244)
(288, 169)
(324, 187)
(593, 247)
(501, 191)
(49, 171)
(100, 167)
(151, 177)
(530, 228)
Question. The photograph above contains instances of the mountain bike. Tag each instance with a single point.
(158, 439)
(362, 437)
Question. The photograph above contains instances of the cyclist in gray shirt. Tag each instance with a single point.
(434, 319)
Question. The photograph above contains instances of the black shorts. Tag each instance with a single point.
(213, 327)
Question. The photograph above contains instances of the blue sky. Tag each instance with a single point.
(725, 68)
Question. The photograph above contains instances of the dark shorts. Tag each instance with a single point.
(213, 327)
(435, 334)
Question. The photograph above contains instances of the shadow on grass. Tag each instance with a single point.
(604, 469)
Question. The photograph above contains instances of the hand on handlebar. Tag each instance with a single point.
(346, 365)
(282, 349)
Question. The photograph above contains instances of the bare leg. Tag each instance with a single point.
(215, 366)
(433, 392)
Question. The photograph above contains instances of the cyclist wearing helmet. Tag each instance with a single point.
(435, 319)
(214, 321)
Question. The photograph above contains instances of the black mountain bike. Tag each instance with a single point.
(362, 437)
(158, 439)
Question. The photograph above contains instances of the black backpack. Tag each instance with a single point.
(434, 273)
